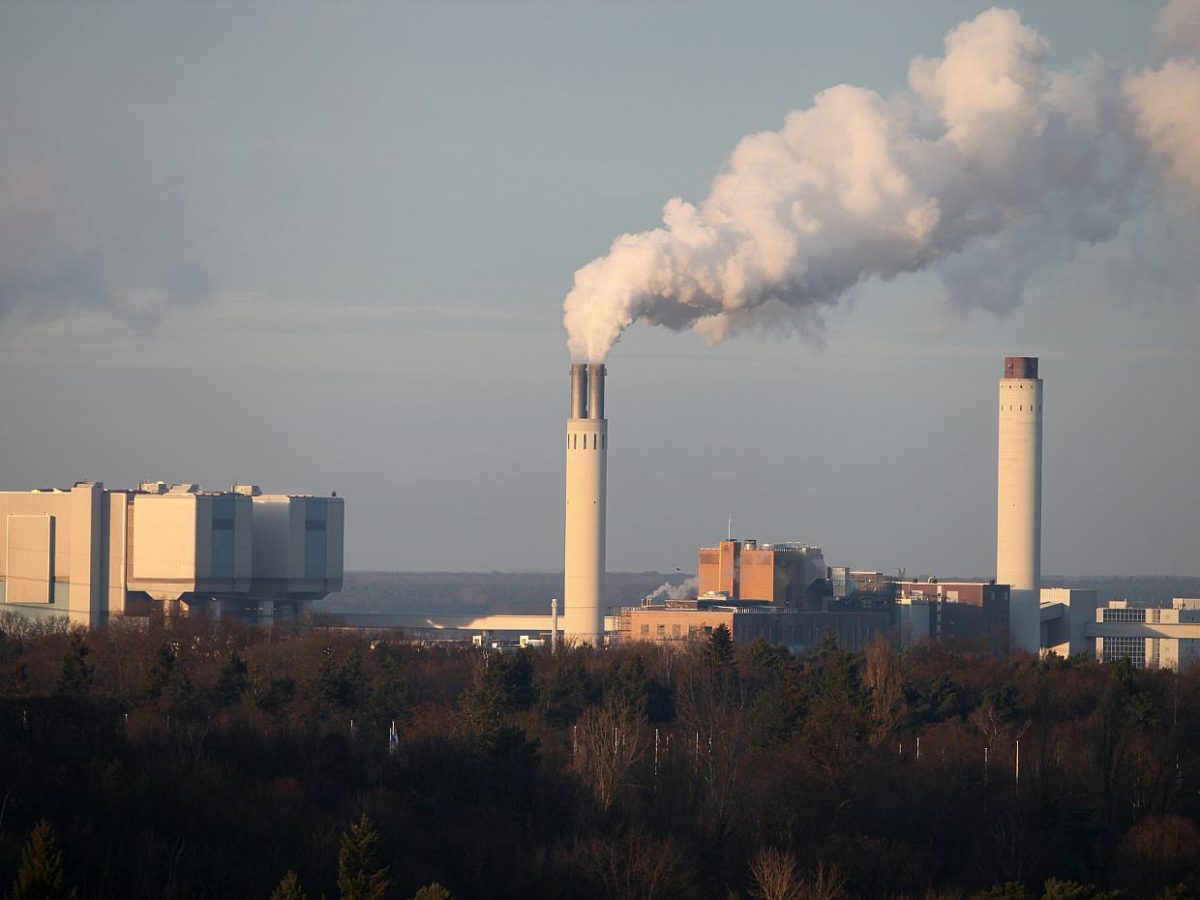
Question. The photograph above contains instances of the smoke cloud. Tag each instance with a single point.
(53, 256)
(668, 591)
(988, 166)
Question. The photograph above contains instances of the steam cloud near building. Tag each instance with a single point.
(987, 166)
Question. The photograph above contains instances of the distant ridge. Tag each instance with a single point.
(497, 592)
(1155, 590)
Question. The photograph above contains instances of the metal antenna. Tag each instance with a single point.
(729, 530)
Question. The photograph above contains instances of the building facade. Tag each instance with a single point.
(88, 553)
(1149, 638)
(1066, 614)
(783, 574)
(797, 630)
(974, 611)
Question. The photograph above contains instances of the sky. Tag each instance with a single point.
(326, 246)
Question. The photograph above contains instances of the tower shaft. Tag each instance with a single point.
(587, 476)
(1019, 499)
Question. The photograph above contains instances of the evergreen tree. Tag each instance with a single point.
(75, 680)
(160, 672)
(433, 891)
(41, 875)
(233, 682)
(359, 875)
(720, 644)
(289, 888)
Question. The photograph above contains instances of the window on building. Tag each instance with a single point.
(1131, 648)
(661, 631)
(676, 631)
(1125, 615)
(645, 629)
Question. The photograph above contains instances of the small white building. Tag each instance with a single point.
(88, 553)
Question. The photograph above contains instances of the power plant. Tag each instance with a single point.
(1019, 499)
(587, 475)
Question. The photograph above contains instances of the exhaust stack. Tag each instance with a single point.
(584, 538)
(579, 391)
(1019, 500)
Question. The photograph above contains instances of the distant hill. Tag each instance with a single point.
(530, 592)
(498, 592)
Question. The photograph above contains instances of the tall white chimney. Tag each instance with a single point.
(587, 475)
(1019, 499)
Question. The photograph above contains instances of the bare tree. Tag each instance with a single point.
(775, 875)
(823, 883)
(634, 865)
(884, 681)
(711, 703)
(610, 740)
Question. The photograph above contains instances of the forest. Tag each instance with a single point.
(194, 759)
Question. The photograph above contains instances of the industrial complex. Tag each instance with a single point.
(89, 553)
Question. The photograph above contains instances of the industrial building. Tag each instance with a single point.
(784, 574)
(586, 490)
(797, 630)
(976, 611)
(88, 553)
(1066, 613)
(1148, 637)
(1019, 498)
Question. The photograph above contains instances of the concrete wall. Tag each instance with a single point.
(29, 567)
(298, 545)
(164, 556)
(664, 625)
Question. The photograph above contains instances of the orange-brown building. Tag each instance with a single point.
(772, 573)
(798, 630)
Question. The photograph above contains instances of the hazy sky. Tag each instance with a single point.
(326, 247)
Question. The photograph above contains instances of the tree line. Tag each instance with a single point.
(196, 759)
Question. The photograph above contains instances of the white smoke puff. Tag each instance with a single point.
(1167, 104)
(685, 588)
(986, 151)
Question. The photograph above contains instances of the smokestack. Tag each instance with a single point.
(1019, 499)
(579, 391)
(596, 373)
(584, 539)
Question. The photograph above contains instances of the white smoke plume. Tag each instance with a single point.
(668, 591)
(987, 166)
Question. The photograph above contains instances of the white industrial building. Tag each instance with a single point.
(89, 553)
(1065, 615)
(1150, 638)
